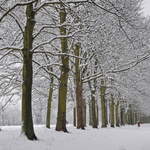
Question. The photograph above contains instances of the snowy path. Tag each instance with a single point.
(124, 138)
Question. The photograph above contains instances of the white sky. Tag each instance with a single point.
(146, 7)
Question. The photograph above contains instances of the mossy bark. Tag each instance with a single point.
(103, 105)
(49, 102)
(27, 122)
(62, 93)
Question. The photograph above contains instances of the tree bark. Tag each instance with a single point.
(117, 114)
(49, 102)
(97, 114)
(74, 117)
(122, 116)
(106, 112)
(112, 117)
(94, 118)
(84, 112)
(62, 94)
(79, 96)
(27, 122)
(131, 116)
(90, 113)
(103, 105)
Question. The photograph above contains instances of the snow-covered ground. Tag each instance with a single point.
(124, 138)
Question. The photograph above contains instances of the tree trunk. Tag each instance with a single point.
(122, 116)
(94, 115)
(106, 112)
(103, 105)
(84, 112)
(90, 113)
(112, 117)
(97, 114)
(79, 96)
(130, 115)
(117, 114)
(62, 94)
(74, 116)
(94, 118)
(79, 100)
(49, 102)
(27, 122)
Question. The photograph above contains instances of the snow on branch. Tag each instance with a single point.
(127, 67)
(10, 48)
(13, 7)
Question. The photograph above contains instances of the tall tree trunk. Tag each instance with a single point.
(79, 100)
(136, 117)
(112, 117)
(79, 96)
(97, 114)
(122, 116)
(103, 105)
(117, 114)
(27, 122)
(49, 102)
(84, 112)
(62, 94)
(106, 112)
(74, 117)
(93, 105)
(129, 113)
(90, 113)
(94, 125)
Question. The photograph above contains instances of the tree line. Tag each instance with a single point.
(92, 45)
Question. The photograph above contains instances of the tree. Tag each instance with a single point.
(79, 90)
(103, 104)
(112, 112)
(49, 101)
(62, 95)
(27, 126)
(117, 114)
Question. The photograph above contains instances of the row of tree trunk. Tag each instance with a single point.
(27, 75)
(80, 109)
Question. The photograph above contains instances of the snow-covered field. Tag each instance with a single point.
(124, 138)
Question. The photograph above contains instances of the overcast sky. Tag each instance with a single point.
(146, 6)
